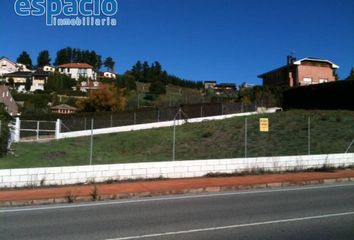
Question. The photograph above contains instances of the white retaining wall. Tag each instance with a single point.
(176, 169)
(146, 126)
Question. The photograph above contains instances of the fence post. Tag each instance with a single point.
(0, 129)
(91, 142)
(85, 124)
(158, 115)
(37, 130)
(309, 136)
(174, 140)
(246, 137)
(17, 130)
(138, 100)
(134, 118)
(201, 111)
(222, 109)
(111, 120)
(57, 129)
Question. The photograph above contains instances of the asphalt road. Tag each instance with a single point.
(311, 212)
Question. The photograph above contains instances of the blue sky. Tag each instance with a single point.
(223, 40)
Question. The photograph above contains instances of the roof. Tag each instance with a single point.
(298, 62)
(41, 73)
(5, 58)
(274, 70)
(19, 74)
(226, 85)
(64, 106)
(210, 81)
(75, 65)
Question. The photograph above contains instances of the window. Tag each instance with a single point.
(307, 80)
(323, 80)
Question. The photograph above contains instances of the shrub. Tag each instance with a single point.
(4, 133)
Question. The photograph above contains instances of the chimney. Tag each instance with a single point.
(290, 59)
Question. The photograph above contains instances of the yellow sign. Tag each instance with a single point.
(264, 125)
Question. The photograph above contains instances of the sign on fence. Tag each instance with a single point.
(264, 124)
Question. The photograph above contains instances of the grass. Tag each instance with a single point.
(331, 132)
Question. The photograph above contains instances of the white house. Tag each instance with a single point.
(86, 86)
(48, 68)
(22, 67)
(108, 75)
(77, 70)
(39, 79)
(19, 79)
(7, 66)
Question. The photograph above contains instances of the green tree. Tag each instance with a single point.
(25, 59)
(137, 71)
(63, 56)
(4, 133)
(75, 55)
(109, 64)
(126, 81)
(57, 82)
(28, 84)
(43, 58)
(157, 87)
(351, 75)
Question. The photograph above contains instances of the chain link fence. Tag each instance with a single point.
(149, 115)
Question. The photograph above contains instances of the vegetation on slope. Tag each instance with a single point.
(331, 132)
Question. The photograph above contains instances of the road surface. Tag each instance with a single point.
(310, 212)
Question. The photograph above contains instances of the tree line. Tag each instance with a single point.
(67, 55)
(158, 77)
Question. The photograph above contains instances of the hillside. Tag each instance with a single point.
(331, 132)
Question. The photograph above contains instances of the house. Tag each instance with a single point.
(39, 79)
(22, 67)
(78, 70)
(86, 86)
(35, 80)
(7, 66)
(9, 103)
(247, 85)
(108, 75)
(225, 88)
(63, 109)
(209, 85)
(18, 79)
(48, 68)
(301, 72)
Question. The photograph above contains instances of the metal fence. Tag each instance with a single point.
(150, 115)
(294, 135)
(32, 130)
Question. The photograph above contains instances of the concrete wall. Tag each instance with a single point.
(177, 169)
(146, 126)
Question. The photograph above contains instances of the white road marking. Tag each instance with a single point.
(198, 230)
(155, 199)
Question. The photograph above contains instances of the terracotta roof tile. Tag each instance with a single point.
(75, 65)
